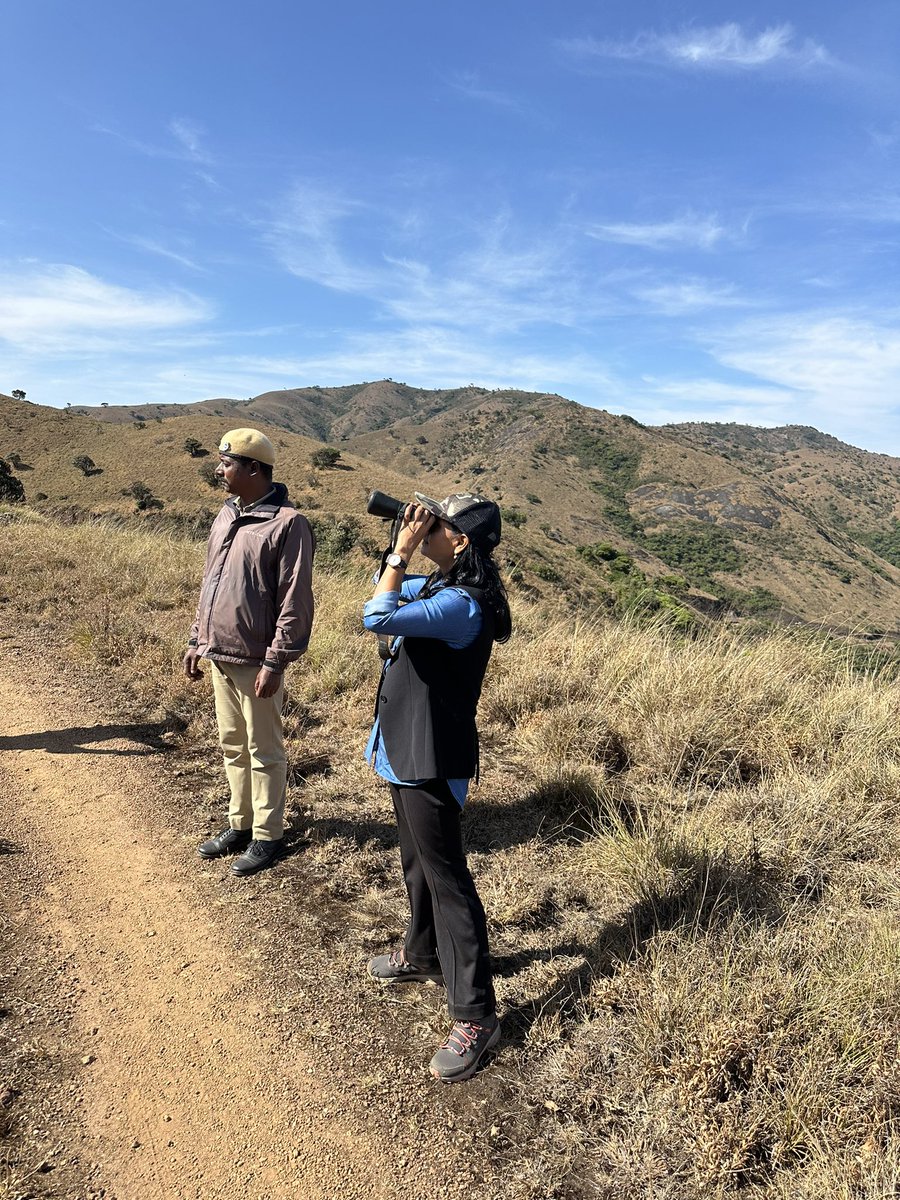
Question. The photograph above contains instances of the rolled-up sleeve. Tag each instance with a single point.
(450, 615)
(294, 597)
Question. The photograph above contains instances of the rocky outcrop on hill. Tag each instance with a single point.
(733, 506)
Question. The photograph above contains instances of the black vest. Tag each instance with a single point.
(426, 704)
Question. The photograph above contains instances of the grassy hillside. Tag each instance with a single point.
(853, 490)
(578, 477)
(688, 850)
(599, 510)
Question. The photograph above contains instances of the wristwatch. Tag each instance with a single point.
(394, 560)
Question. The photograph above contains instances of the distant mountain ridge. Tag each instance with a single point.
(789, 522)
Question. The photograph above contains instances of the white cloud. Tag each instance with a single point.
(468, 84)
(689, 296)
(687, 230)
(839, 361)
(719, 48)
(151, 246)
(428, 356)
(187, 137)
(188, 134)
(63, 309)
(501, 281)
(838, 373)
(306, 237)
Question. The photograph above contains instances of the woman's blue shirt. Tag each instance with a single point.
(451, 615)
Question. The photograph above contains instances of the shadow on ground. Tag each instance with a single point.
(554, 812)
(86, 739)
(709, 890)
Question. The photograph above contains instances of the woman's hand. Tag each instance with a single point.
(416, 523)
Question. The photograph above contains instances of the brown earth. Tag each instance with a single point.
(150, 1047)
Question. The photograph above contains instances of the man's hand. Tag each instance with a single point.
(190, 661)
(266, 683)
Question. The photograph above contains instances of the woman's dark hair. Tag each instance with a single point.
(474, 567)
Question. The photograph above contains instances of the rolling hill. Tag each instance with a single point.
(788, 523)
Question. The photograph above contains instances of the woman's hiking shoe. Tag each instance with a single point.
(468, 1043)
(257, 857)
(229, 841)
(393, 968)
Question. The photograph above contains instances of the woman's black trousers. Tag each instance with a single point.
(447, 925)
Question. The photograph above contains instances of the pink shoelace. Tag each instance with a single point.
(463, 1036)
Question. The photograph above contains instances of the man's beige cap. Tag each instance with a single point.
(248, 443)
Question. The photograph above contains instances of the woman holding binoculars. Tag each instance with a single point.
(424, 743)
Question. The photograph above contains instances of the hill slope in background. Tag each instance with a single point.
(789, 521)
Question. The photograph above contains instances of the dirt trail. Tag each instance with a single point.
(188, 1091)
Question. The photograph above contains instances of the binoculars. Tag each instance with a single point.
(387, 507)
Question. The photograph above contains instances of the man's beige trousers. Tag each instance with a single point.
(252, 741)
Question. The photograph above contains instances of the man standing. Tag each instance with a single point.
(254, 617)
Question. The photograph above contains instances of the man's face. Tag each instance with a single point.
(233, 474)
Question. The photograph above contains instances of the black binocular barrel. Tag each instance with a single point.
(380, 504)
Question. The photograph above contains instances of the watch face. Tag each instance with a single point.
(394, 560)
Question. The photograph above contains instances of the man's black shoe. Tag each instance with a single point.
(229, 841)
(257, 857)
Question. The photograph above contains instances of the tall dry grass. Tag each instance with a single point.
(687, 848)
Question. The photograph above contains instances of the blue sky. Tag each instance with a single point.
(678, 211)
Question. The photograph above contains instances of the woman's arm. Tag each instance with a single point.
(450, 615)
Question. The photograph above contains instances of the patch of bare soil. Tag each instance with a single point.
(168, 1031)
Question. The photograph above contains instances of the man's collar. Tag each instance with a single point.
(245, 508)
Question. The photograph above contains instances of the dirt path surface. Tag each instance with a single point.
(185, 1079)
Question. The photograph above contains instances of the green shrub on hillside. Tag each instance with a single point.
(548, 573)
(885, 542)
(84, 464)
(335, 536)
(11, 488)
(698, 551)
(616, 509)
(513, 516)
(756, 602)
(143, 497)
(618, 463)
(326, 457)
(603, 554)
(207, 472)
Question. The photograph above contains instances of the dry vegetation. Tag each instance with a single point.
(687, 848)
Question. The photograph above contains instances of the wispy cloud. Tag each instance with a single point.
(839, 361)
(502, 280)
(724, 47)
(689, 296)
(837, 372)
(469, 85)
(662, 401)
(189, 134)
(687, 230)
(152, 246)
(63, 309)
(185, 145)
(306, 234)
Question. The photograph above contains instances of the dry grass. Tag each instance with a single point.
(688, 850)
